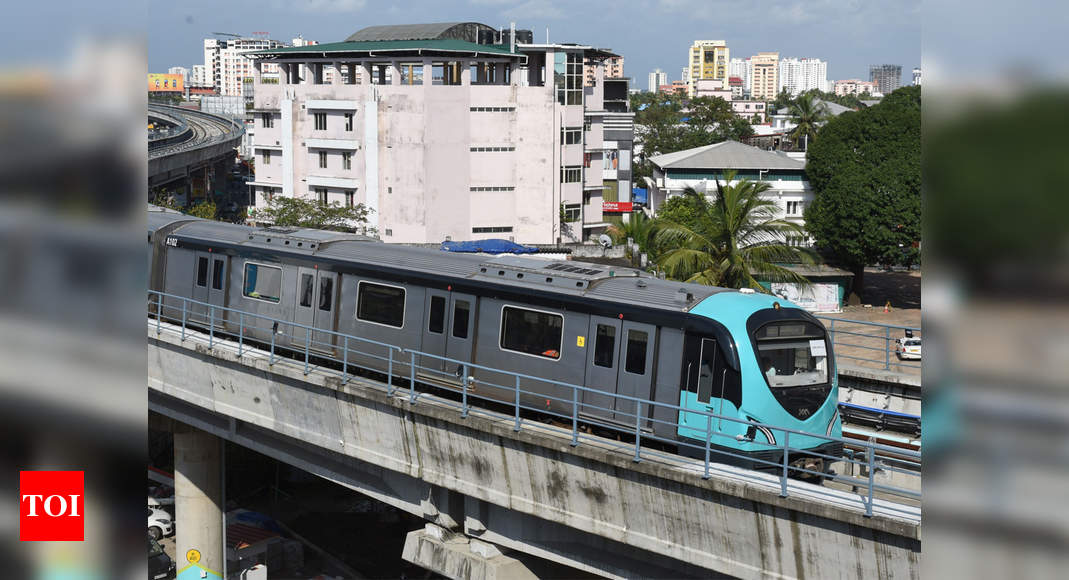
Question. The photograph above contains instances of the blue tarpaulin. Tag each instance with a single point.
(639, 195)
(495, 246)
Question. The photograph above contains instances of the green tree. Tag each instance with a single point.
(733, 239)
(808, 114)
(205, 209)
(865, 171)
(306, 213)
(639, 228)
(672, 122)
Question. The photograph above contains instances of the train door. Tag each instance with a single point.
(602, 366)
(198, 312)
(636, 368)
(703, 370)
(315, 304)
(448, 332)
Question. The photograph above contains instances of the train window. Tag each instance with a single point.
(461, 308)
(262, 282)
(307, 281)
(326, 293)
(436, 321)
(792, 354)
(532, 332)
(381, 304)
(217, 274)
(636, 351)
(605, 346)
(706, 368)
(202, 271)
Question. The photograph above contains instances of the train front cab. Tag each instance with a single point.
(784, 375)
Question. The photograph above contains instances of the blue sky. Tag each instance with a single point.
(848, 34)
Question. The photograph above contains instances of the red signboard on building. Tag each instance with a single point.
(616, 206)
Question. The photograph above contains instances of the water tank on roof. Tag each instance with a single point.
(487, 36)
(524, 37)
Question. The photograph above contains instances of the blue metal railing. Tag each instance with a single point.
(325, 345)
(869, 343)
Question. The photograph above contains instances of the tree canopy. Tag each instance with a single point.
(729, 241)
(307, 213)
(673, 122)
(865, 172)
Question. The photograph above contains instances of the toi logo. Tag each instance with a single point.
(51, 506)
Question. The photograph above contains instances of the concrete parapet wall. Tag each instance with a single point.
(734, 523)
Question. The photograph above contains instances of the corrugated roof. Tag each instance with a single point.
(833, 109)
(726, 155)
(457, 30)
(443, 44)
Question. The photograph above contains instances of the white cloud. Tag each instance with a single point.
(323, 6)
(535, 10)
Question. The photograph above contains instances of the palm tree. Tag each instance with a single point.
(737, 235)
(640, 229)
(807, 113)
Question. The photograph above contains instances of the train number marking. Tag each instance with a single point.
(172, 241)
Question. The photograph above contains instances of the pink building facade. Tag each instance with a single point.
(445, 139)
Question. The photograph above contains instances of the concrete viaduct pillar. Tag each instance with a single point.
(198, 504)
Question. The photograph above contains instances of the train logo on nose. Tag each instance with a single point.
(803, 412)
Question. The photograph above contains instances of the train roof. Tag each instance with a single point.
(572, 278)
(161, 217)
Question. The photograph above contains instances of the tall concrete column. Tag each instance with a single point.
(198, 504)
(465, 72)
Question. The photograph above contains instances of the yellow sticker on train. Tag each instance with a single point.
(580, 341)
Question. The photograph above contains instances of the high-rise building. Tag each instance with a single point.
(227, 66)
(180, 70)
(613, 68)
(199, 77)
(798, 75)
(657, 78)
(886, 77)
(743, 69)
(917, 76)
(685, 75)
(707, 59)
(524, 151)
(763, 79)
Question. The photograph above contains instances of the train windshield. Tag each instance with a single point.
(792, 354)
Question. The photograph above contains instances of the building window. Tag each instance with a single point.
(532, 332)
(348, 122)
(322, 159)
(262, 282)
(321, 121)
(572, 212)
(492, 230)
(267, 157)
(586, 124)
(492, 188)
(381, 304)
(267, 120)
(568, 78)
(571, 135)
(571, 174)
(349, 195)
(491, 149)
(321, 195)
(492, 109)
(347, 160)
(794, 208)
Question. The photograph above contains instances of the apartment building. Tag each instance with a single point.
(764, 76)
(886, 77)
(446, 137)
(657, 78)
(707, 59)
(798, 75)
(227, 67)
(613, 69)
(855, 87)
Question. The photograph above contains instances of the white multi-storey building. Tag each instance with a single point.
(916, 76)
(445, 138)
(656, 79)
(180, 70)
(199, 76)
(798, 75)
(227, 66)
(743, 69)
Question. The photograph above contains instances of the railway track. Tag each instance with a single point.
(203, 130)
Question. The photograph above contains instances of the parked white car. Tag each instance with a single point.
(159, 523)
(908, 347)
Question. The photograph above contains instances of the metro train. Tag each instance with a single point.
(615, 331)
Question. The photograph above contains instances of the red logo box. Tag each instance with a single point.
(51, 506)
